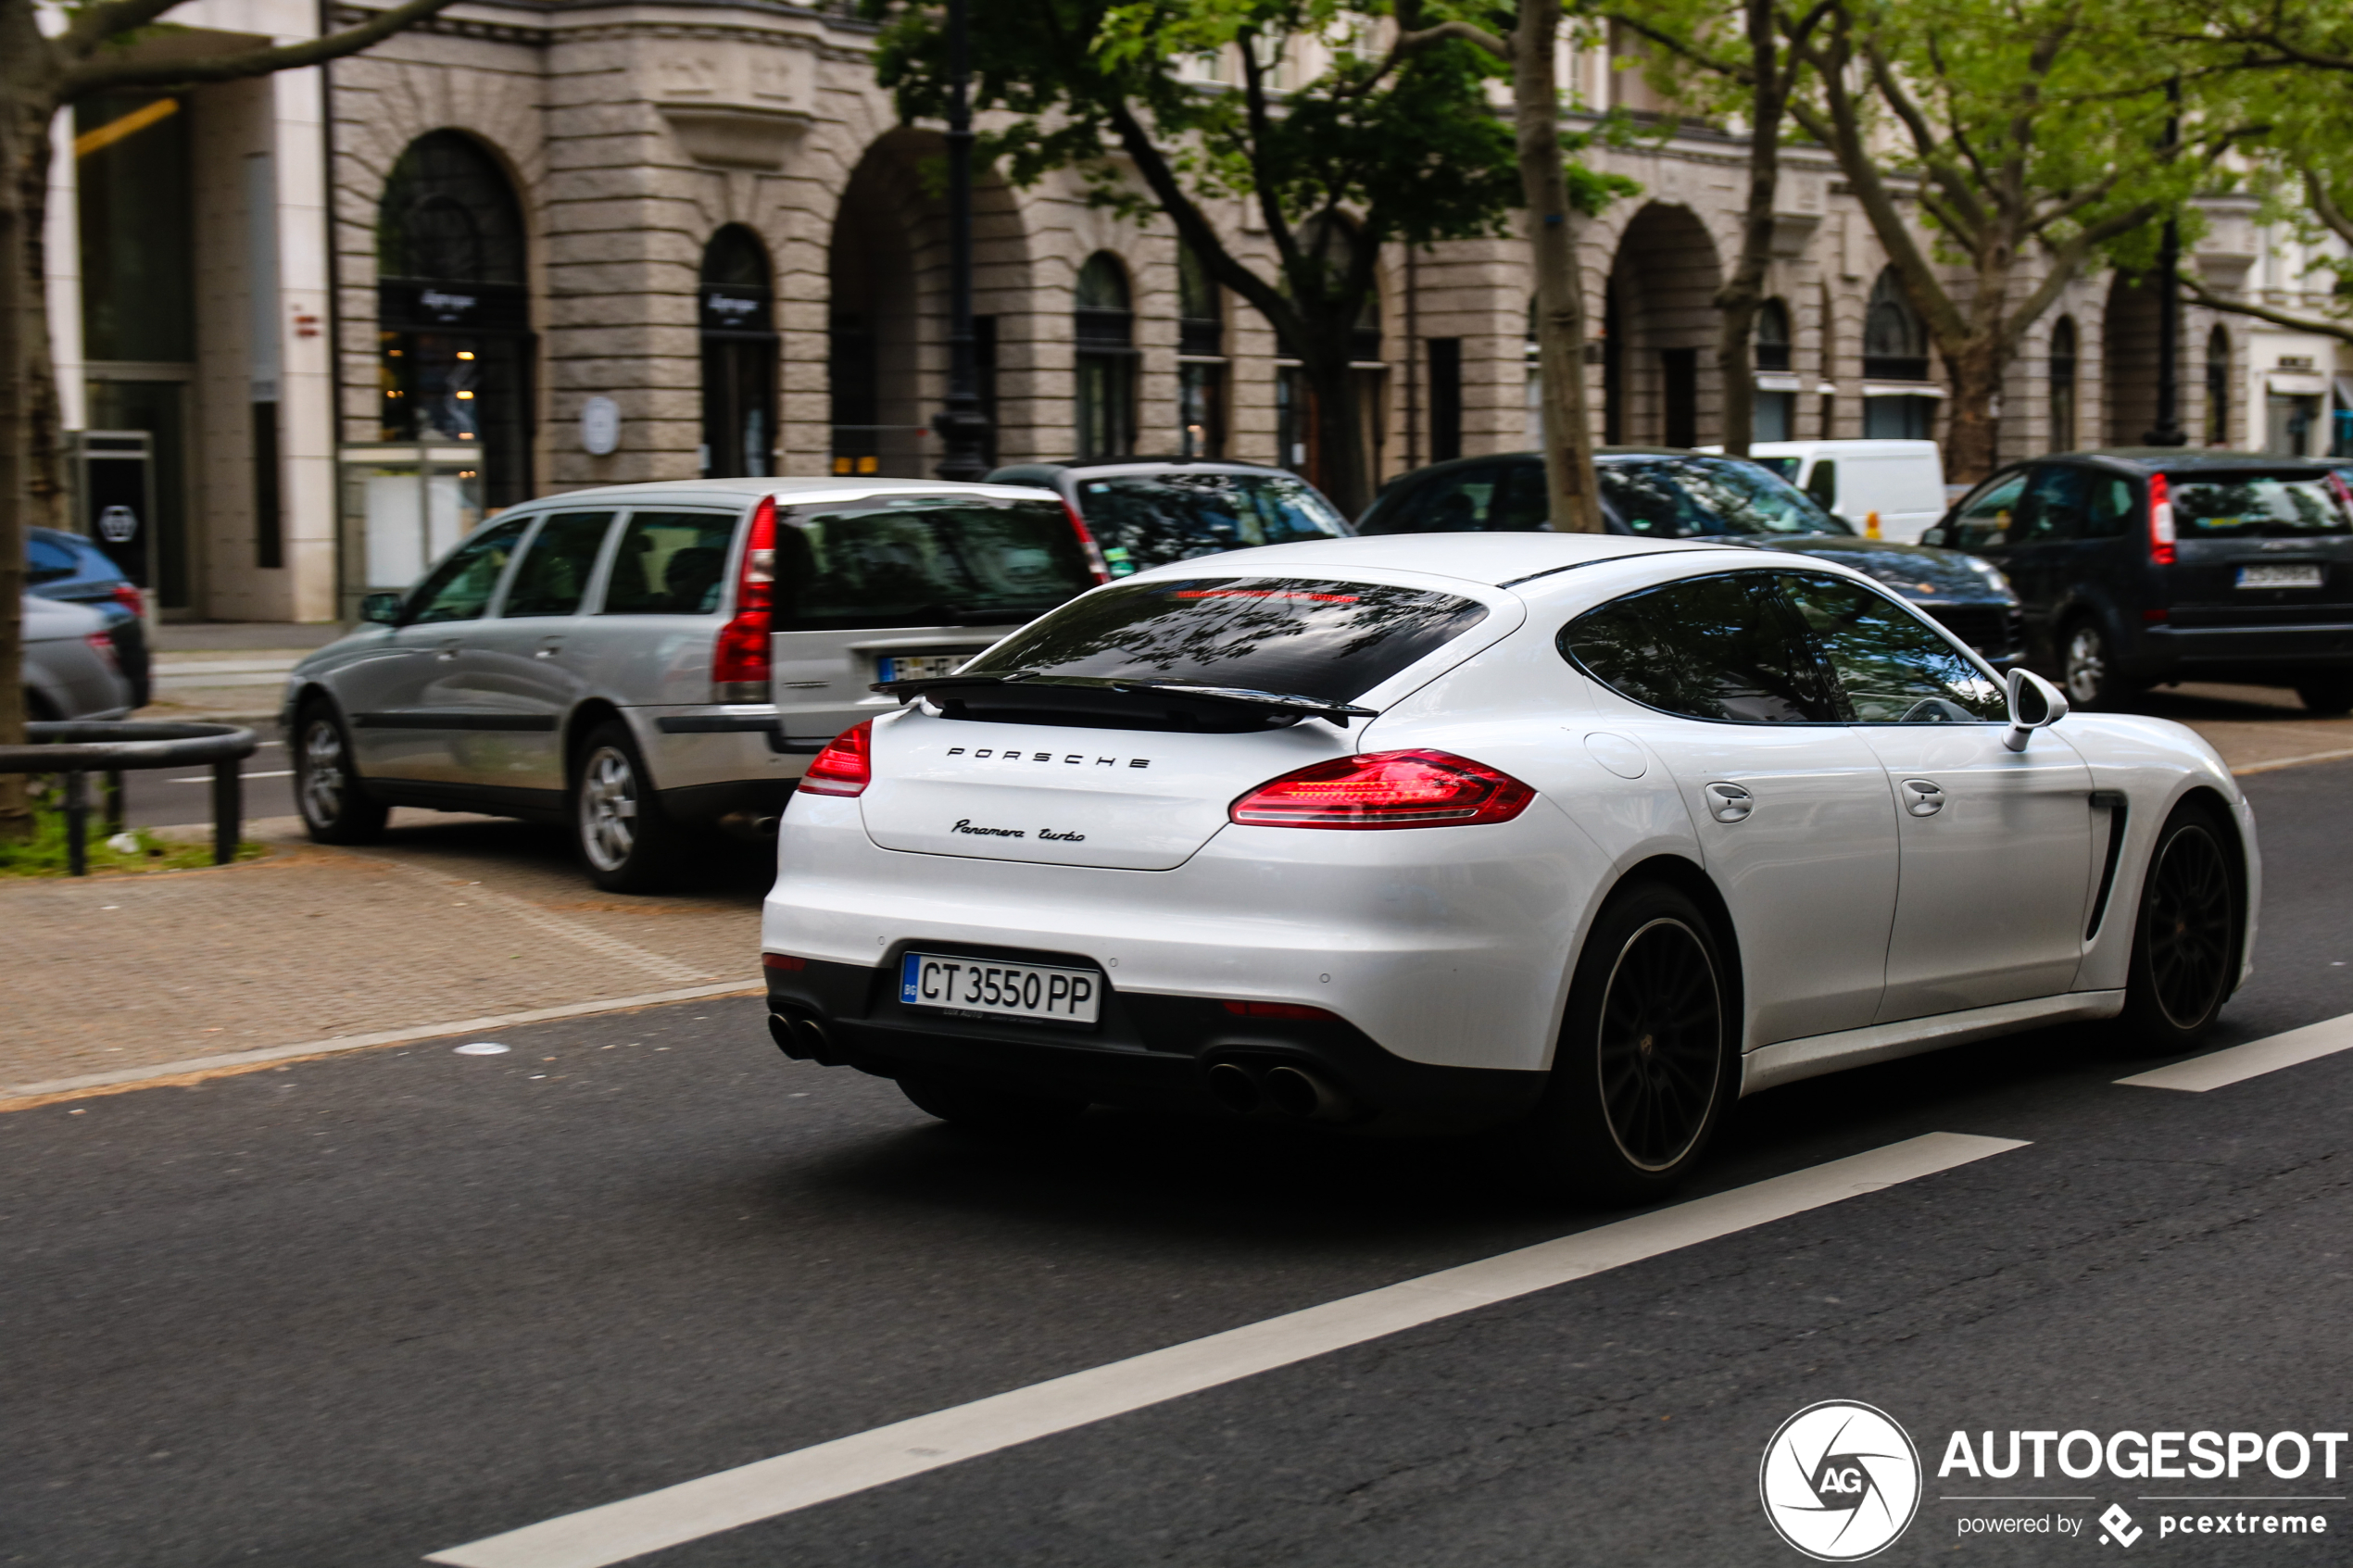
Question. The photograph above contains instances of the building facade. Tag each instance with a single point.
(341, 314)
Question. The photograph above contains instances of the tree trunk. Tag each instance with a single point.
(1968, 436)
(27, 462)
(1575, 503)
(1743, 292)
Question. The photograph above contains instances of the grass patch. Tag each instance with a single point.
(135, 851)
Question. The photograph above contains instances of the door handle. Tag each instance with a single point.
(548, 650)
(1729, 802)
(1923, 797)
(446, 649)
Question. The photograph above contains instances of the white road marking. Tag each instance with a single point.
(361, 1042)
(618, 1531)
(207, 778)
(2216, 1069)
(2290, 762)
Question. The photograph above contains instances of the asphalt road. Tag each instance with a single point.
(172, 796)
(352, 1311)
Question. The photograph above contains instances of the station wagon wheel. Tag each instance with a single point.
(1643, 1067)
(335, 805)
(2185, 945)
(2087, 665)
(624, 838)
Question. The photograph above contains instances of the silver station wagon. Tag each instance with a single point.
(643, 660)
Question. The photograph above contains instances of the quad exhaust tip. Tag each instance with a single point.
(1283, 1090)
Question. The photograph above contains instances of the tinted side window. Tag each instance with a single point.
(462, 585)
(1891, 666)
(2053, 506)
(1460, 502)
(1724, 647)
(1983, 521)
(554, 574)
(2111, 512)
(670, 563)
(1822, 483)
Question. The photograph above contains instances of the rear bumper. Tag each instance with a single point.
(2255, 653)
(1146, 1051)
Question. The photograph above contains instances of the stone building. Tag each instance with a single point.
(338, 314)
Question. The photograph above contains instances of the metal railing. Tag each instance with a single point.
(77, 749)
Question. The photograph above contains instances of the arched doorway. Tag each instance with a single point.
(736, 314)
(2218, 387)
(453, 318)
(1103, 328)
(1660, 321)
(2064, 373)
(1900, 401)
(2129, 337)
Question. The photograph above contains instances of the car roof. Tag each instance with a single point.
(1600, 455)
(1141, 465)
(1495, 560)
(793, 490)
(2149, 459)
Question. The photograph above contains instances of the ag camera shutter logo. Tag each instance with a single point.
(1840, 1481)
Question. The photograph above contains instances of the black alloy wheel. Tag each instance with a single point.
(1644, 1065)
(2185, 946)
(2087, 665)
(334, 804)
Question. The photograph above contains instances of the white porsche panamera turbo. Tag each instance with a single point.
(1583, 834)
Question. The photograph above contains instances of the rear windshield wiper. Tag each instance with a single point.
(1246, 697)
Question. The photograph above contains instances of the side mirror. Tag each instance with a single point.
(380, 609)
(1935, 536)
(2034, 703)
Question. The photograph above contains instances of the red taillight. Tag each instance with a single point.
(2344, 492)
(130, 598)
(1386, 789)
(2160, 521)
(739, 667)
(1095, 562)
(783, 962)
(102, 643)
(841, 768)
(1281, 1010)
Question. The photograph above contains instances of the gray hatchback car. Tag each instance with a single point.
(634, 660)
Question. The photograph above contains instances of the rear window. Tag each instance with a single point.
(1694, 497)
(926, 560)
(1331, 641)
(2256, 505)
(1150, 520)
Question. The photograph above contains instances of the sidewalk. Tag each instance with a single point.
(451, 918)
(230, 671)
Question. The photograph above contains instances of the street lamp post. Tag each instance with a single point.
(2166, 430)
(961, 426)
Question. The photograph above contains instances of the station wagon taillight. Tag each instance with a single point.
(841, 768)
(739, 665)
(1386, 789)
(1094, 552)
(2160, 521)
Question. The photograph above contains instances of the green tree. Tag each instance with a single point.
(1380, 145)
(41, 76)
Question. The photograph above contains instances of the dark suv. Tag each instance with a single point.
(2150, 565)
(1148, 511)
(1665, 493)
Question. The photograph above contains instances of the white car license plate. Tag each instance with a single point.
(2279, 577)
(1012, 990)
(919, 666)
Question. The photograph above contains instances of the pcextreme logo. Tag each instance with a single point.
(1840, 1481)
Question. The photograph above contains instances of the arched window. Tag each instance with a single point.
(1201, 357)
(1895, 349)
(1776, 402)
(2063, 372)
(1104, 321)
(737, 304)
(2218, 387)
(452, 316)
(1826, 329)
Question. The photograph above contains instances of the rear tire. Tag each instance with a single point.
(2331, 696)
(2087, 667)
(989, 1106)
(2186, 938)
(328, 789)
(626, 842)
(1645, 1062)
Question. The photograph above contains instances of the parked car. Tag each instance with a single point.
(72, 669)
(1666, 494)
(1583, 834)
(67, 567)
(639, 658)
(1147, 512)
(2163, 564)
(1902, 482)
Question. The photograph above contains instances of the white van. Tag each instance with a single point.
(1902, 481)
